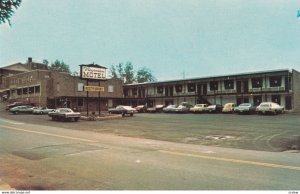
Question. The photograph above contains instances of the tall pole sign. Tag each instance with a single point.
(92, 73)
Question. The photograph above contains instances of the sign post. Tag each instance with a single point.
(93, 72)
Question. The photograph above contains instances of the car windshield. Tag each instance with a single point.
(265, 105)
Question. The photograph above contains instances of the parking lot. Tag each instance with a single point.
(254, 132)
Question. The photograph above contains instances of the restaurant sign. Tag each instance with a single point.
(93, 89)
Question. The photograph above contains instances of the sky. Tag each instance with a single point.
(175, 39)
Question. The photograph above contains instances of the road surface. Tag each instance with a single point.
(40, 157)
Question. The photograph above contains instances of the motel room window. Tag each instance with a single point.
(178, 88)
(213, 85)
(57, 87)
(25, 90)
(111, 88)
(191, 87)
(275, 81)
(19, 92)
(160, 89)
(37, 89)
(31, 90)
(134, 91)
(80, 87)
(228, 84)
(256, 82)
(125, 91)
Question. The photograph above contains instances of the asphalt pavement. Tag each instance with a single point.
(45, 157)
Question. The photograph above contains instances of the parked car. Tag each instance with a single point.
(14, 104)
(21, 109)
(245, 108)
(228, 108)
(215, 108)
(157, 108)
(141, 108)
(124, 110)
(42, 110)
(64, 114)
(182, 109)
(199, 108)
(170, 108)
(269, 107)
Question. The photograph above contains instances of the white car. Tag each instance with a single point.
(269, 107)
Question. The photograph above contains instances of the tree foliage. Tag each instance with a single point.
(60, 66)
(126, 73)
(144, 75)
(7, 9)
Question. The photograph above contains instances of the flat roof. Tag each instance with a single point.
(213, 77)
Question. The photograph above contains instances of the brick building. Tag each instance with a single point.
(281, 86)
(53, 89)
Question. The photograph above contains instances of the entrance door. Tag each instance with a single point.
(288, 102)
(239, 87)
(199, 89)
(246, 86)
(204, 89)
(276, 99)
(257, 100)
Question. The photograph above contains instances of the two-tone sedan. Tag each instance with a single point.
(245, 108)
(64, 114)
(124, 110)
(22, 109)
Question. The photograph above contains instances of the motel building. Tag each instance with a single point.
(280, 86)
(33, 83)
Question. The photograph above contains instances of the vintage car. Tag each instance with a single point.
(199, 108)
(169, 108)
(141, 108)
(64, 114)
(157, 108)
(215, 108)
(124, 110)
(182, 109)
(246, 108)
(42, 110)
(269, 107)
(228, 108)
(22, 109)
(13, 105)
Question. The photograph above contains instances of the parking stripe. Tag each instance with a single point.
(48, 134)
(231, 160)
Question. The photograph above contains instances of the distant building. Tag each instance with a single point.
(34, 83)
(281, 86)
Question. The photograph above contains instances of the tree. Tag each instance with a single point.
(144, 75)
(7, 9)
(60, 66)
(126, 73)
(46, 62)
